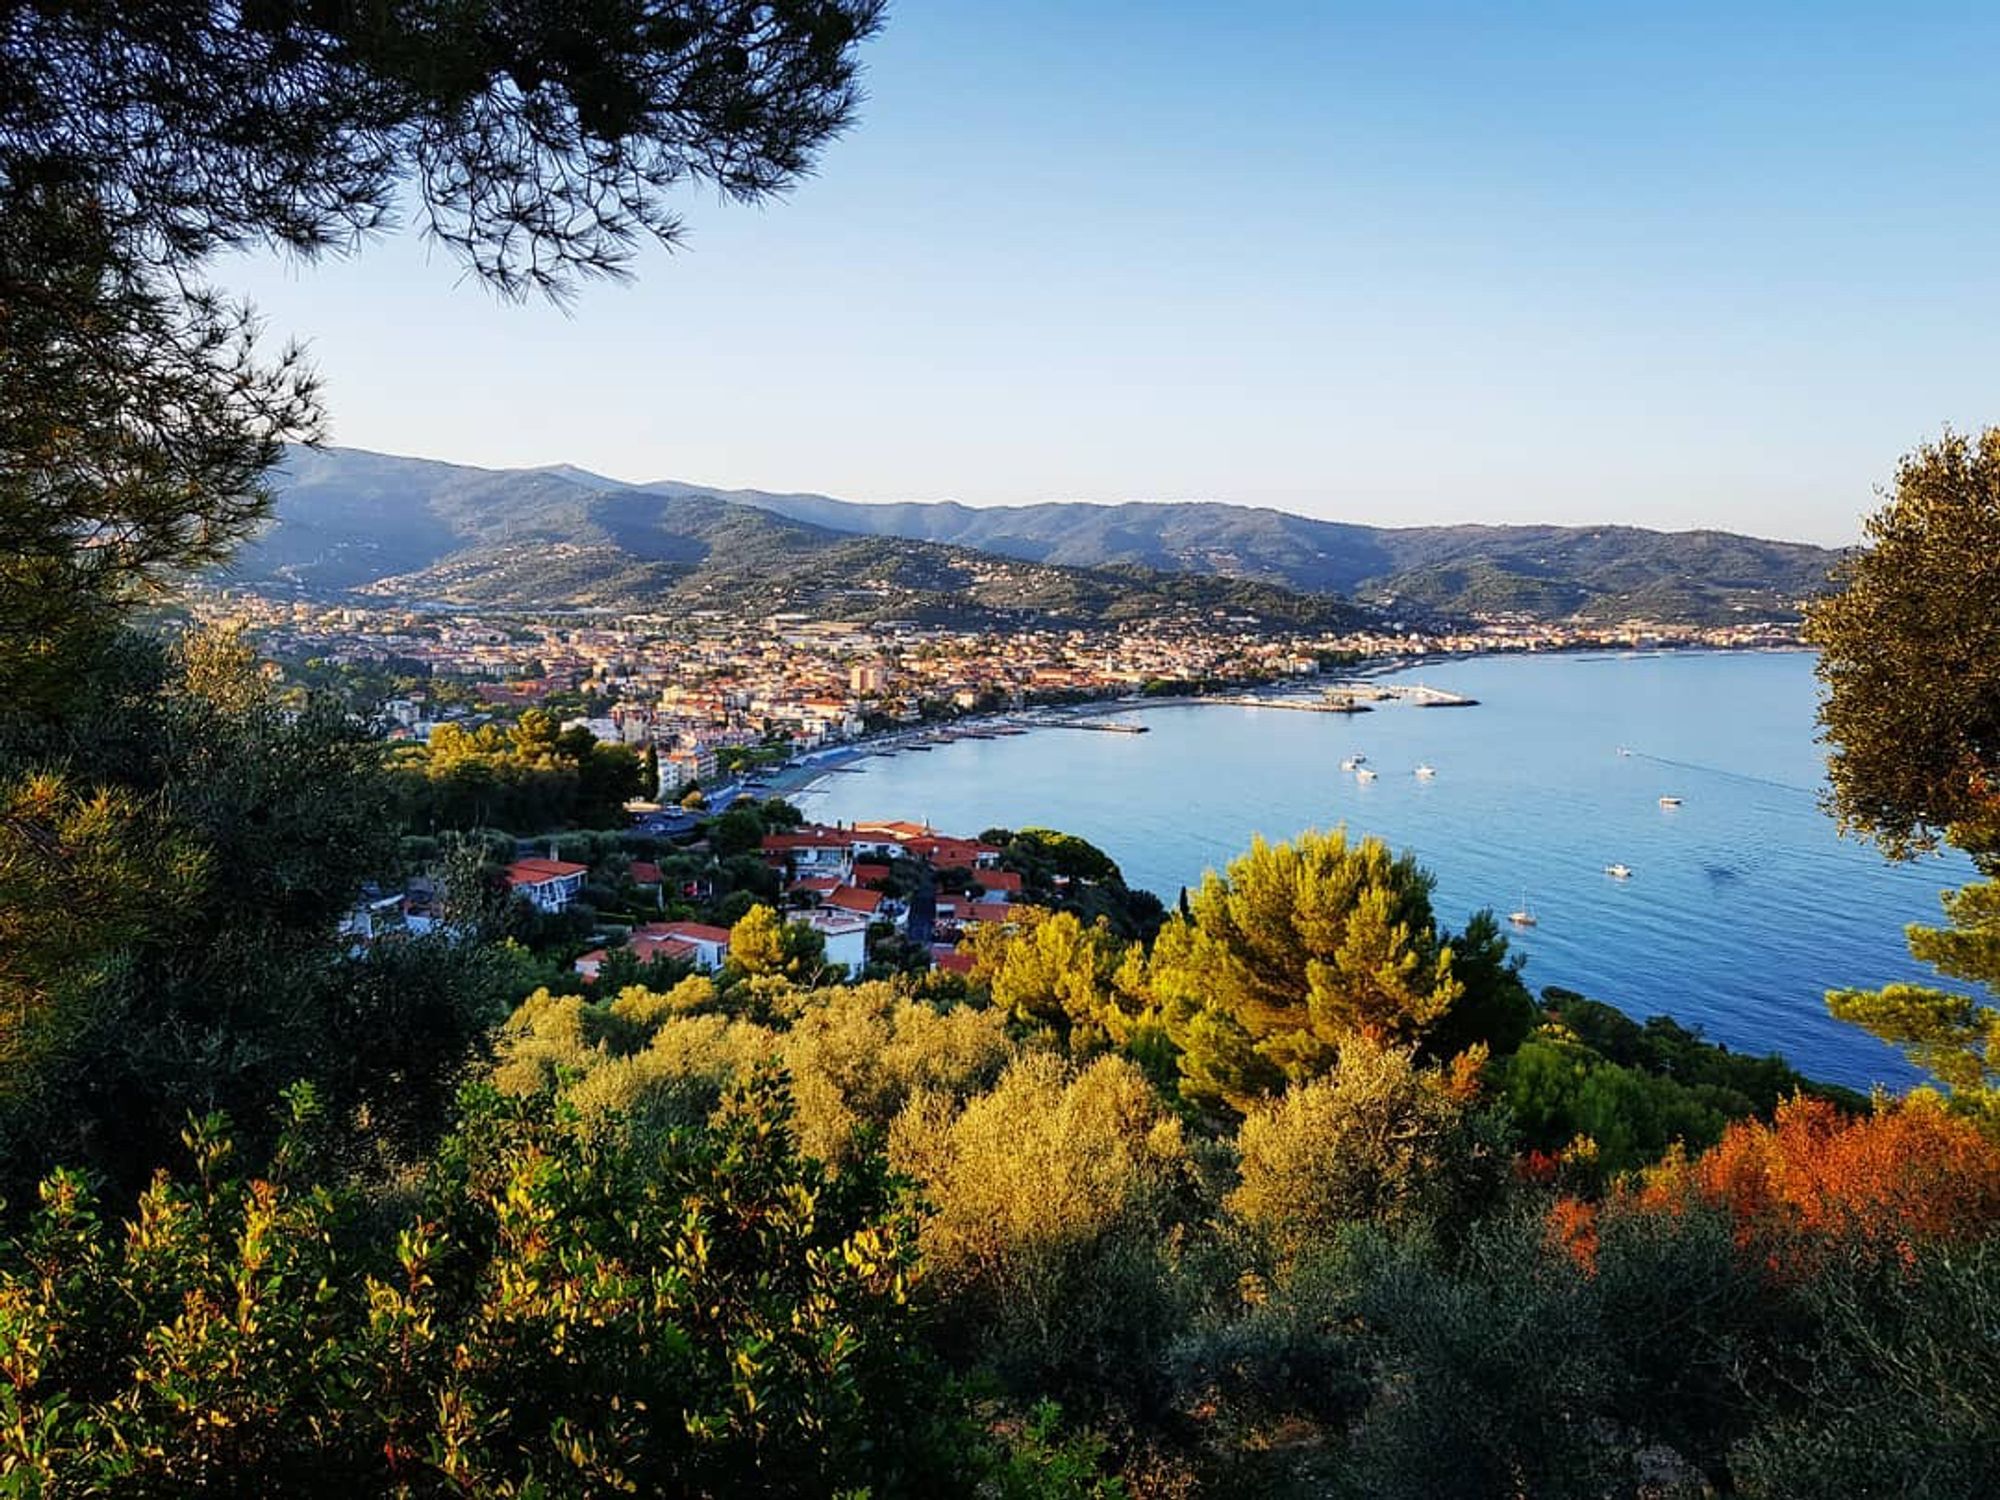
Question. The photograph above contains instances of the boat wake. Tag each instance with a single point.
(1691, 765)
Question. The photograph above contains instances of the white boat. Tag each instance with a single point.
(1622, 750)
(1619, 872)
(1364, 774)
(1353, 762)
(1670, 802)
(1425, 772)
(1525, 916)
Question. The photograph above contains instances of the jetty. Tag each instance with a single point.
(1418, 694)
(1331, 704)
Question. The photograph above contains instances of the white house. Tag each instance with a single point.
(846, 935)
(550, 883)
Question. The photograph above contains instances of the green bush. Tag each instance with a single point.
(562, 1312)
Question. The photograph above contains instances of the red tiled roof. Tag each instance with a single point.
(806, 838)
(538, 871)
(692, 931)
(951, 960)
(645, 872)
(868, 874)
(999, 880)
(819, 885)
(847, 898)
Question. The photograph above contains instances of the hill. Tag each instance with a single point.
(417, 528)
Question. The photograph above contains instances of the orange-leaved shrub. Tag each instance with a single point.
(1815, 1181)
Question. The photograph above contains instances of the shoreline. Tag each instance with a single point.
(798, 781)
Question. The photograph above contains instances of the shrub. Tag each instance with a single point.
(1056, 1201)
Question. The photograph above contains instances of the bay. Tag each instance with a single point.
(1744, 905)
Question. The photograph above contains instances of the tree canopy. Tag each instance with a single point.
(1295, 949)
(1909, 643)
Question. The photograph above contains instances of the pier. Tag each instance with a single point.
(1327, 705)
(1418, 694)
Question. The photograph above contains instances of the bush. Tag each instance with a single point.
(565, 1313)
(1056, 1200)
(1379, 1140)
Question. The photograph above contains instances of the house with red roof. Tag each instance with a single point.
(710, 945)
(643, 946)
(550, 884)
(850, 898)
(810, 851)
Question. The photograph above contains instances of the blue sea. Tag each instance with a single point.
(1744, 906)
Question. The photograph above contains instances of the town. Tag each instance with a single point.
(712, 692)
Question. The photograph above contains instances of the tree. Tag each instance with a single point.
(763, 943)
(1294, 950)
(1054, 970)
(1909, 645)
(1951, 1035)
(1380, 1139)
(539, 142)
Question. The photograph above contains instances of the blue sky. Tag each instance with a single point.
(1679, 266)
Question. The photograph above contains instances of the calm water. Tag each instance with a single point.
(1744, 906)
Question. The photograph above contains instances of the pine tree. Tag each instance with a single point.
(1295, 950)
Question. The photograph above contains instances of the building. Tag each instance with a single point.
(707, 946)
(551, 884)
(846, 935)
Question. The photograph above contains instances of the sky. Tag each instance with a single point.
(1700, 265)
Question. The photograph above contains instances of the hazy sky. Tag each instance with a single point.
(1391, 263)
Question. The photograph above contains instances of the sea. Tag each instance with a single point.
(1743, 907)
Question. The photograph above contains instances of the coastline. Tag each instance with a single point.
(802, 780)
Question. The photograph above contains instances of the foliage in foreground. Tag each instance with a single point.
(557, 1311)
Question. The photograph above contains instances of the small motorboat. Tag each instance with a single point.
(1425, 773)
(1364, 774)
(1623, 750)
(1670, 802)
(1353, 762)
(1619, 872)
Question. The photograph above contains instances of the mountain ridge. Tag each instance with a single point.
(350, 518)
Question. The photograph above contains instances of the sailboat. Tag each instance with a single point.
(1525, 917)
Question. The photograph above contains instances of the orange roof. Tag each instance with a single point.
(893, 830)
(998, 880)
(820, 885)
(537, 871)
(847, 898)
(865, 874)
(951, 960)
(806, 838)
(693, 932)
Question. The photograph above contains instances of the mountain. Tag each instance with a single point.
(1551, 572)
(413, 527)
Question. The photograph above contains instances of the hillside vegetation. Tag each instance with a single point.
(418, 529)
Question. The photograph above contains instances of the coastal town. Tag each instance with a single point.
(715, 692)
